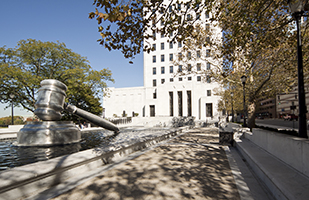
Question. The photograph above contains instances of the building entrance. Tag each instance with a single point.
(152, 111)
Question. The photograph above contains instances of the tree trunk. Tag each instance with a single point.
(251, 115)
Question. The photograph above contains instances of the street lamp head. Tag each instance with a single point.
(298, 6)
(12, 96)
(243, 79)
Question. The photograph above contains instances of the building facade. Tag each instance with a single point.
(171, 89)
(267, 108)
(287, 103)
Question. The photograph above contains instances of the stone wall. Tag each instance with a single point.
(292, 150)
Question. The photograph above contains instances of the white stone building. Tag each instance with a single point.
(165, 93)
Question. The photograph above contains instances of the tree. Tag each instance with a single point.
(128, 23)
(257, 42)
(32, 61)
(8, 120)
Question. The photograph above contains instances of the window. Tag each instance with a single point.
(170, 8)
(198, 66)
(207, 14)
(162, 35)
(154, 71)
(208, 79)
(162, 58)
(198, 78)
(207, 39)
(180, 79)
(207, 27)
(188, 17)
(171, 45)
(154, 82)
(162, 81)
(162, 22)
(171, 69)
(189, 67)
(179, 44)
(208, 66)
(162, 70)
(179, 56)
(198, 16)
(171, 57)
(180, 68)
(198, 54)
(171, 80)
(189, 78)
(162, 45)
(154, 35)
(179, 6)
(155, 94)
(154, 59)
(208, 93)
(207, 52)
(171, 34)
(189, 55)
(153, 47)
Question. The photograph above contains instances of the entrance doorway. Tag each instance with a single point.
(209, 110)
(152, 111)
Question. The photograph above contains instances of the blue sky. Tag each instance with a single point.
(65, 21)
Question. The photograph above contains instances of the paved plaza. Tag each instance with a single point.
(190, 166)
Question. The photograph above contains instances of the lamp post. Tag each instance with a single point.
(12, 97)
(297, 8)
(227, 112)
(232, 94)
(243, 80)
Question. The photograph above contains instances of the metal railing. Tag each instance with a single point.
(124, 120)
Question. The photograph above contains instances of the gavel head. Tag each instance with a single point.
(50, 100)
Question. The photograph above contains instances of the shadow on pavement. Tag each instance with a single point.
(181, 169)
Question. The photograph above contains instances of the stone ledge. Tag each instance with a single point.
(292, 150)
(282, 180)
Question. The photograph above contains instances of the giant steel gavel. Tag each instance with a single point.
(51, 101)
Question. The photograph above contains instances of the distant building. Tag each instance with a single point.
(267, 108)
(165, 93)
(287, 103)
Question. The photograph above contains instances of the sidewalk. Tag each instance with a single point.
(191, 166)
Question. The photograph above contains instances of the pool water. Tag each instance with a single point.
(13, 156)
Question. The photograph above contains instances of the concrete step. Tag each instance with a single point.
(282, 180)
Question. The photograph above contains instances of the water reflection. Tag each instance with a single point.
(14, 156)
(100, 140)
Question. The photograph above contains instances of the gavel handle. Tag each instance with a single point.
(91, 117)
